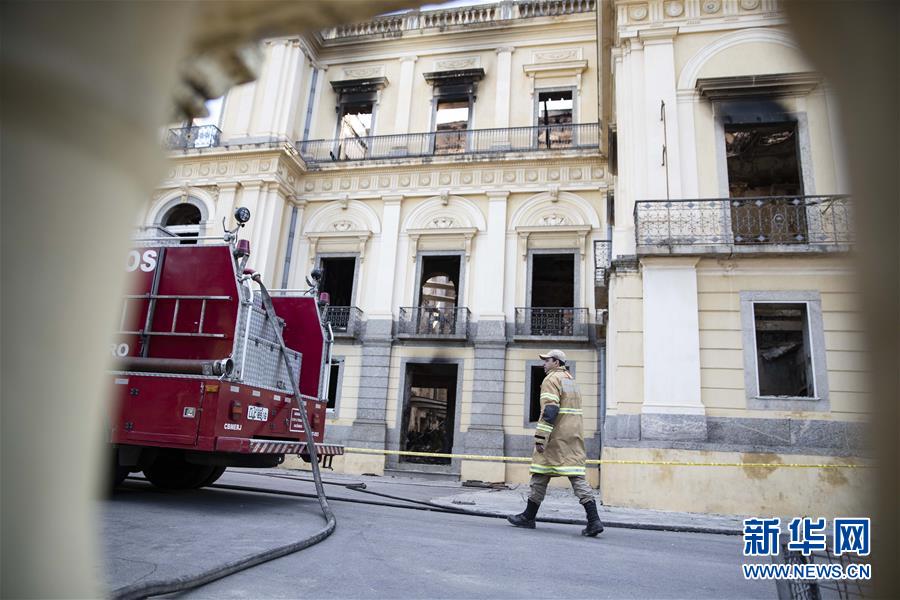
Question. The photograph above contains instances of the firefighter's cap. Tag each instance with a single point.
(557, 354)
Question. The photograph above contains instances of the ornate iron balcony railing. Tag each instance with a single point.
(434, 322)
(344, 320)
(602, 249)
(776, 223)
(464, 16)
(466, 141)
(201, 136)
(552, 322)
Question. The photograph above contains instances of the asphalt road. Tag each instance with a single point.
(382, 552)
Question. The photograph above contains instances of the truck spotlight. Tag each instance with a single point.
(242, 214)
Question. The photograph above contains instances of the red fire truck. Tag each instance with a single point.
(200, 383)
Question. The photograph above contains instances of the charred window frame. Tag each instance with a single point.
(762, 113)
(534, 376)
(453, 90)
(356, 107)
(335, 385)
(807, 313)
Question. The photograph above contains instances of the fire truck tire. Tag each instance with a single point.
(172, 472)
(213, 477)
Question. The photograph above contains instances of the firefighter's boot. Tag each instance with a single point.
(594, 526)
(525, 519)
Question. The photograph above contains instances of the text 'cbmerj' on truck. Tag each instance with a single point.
(199, 380)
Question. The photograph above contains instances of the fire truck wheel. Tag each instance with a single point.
(213, 477)
(172, 472)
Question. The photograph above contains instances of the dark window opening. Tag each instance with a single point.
(762, 160)
(553, 280)
(438, 295)
(450, 123)
(334, 377)
(534, 397)
(555, 118)
(552, 295)
(184, 221)
(355, 127)
(763, 164)
(337, 279)
(429, 417)
(783, 358)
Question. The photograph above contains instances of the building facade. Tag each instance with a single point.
(653, 187)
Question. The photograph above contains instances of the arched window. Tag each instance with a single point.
(183, 220)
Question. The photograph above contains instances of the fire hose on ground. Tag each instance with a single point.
(177, 584)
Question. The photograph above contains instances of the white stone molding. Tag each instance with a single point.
(541, 210)
(434, 213)
(342, 220)
(688, 78)
(201, 198)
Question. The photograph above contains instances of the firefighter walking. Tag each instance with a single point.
(559, 445)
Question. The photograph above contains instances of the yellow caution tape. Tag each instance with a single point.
(661, 463)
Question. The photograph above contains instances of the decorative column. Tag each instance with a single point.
(277, 90)
(504, 75)
(672, 408)
(662, 172)
(485, 433)
(404, 94)
(370, 427)
(225, 205)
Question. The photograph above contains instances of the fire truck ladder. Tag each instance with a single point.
(146, 331)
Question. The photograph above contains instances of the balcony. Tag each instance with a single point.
(430, 322)
(544, 323)
(602, 251)
(544, 138)
(764, 225)
(344, 320)
(185, 138)
(462, 17)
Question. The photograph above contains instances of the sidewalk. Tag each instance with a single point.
(559, 504)
(562, 504)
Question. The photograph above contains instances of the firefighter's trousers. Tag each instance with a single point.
(579, 483)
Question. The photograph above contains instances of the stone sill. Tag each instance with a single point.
(426, 337)
(553, 338)
(743, 250)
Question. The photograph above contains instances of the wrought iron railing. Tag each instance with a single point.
(467, 141)
(201, 136)
(434, 322)
(602, 249)
(741, 224)
(344, 320)
(552, 321)
(465, 16)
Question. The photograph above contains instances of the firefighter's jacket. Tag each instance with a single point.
(563, 438)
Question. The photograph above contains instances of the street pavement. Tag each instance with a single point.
(388, 552)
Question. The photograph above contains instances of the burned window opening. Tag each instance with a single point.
(555, 117)
(338, 275)
(430, 412)
(355, 127)
(552, 295)
(763, 164)
(534, 393)
(184, 221)
(553, 280)
(438, 295)
(334, 378)
(451, 121)
(783, 356)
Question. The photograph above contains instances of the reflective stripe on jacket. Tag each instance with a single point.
(563, 439)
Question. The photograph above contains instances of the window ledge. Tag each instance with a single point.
(544, 338)
(787, 398)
